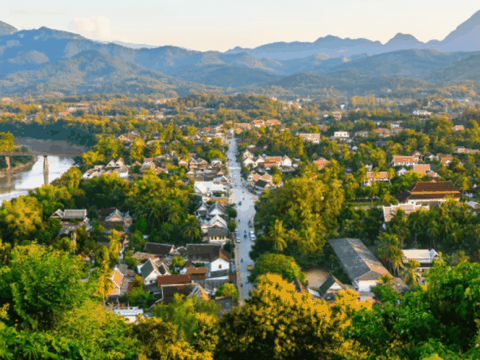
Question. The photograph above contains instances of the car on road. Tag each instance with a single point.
(239, 203)
(249, 267)
(237, 239)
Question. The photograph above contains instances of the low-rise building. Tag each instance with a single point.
(424, 257)
(429, 193)
(361, 266)
(313, 138)
(402, 160)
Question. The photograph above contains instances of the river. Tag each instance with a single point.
(33, 176)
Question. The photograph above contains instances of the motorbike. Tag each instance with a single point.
(241, 260)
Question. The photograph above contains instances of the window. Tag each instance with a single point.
(220, 266)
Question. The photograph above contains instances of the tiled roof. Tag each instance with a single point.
(217, 232)
(357, 259)
(169, 291)
(158, 249)
(403, 159)
(147, 268)
(174, 279)
(203, 252)
(382, 175)
(421, 168)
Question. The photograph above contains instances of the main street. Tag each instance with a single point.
(245, 212)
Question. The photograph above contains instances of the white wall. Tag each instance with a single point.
(219, 264)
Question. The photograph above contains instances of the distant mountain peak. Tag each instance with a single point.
(6, 29)
(403, 39)
(469, 28)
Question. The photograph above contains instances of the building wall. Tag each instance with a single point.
(219, 264)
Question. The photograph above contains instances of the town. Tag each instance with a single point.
(189, 224)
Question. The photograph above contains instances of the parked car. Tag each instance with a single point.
(249, 267)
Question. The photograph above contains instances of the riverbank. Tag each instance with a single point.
(19, 168)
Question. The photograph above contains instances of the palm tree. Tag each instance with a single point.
(191, 228)
(389, 251)
(409, 273)
(386, 279)
(432, 231)
(277, 234)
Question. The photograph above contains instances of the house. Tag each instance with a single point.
(390, 211)
(422, 169)
(458, 128)
(261, 185)
(321, 163)
(217, 221)
(273, 122)
(217, 235)
(274, 160)
(421, 113)
(313, 138)
(402, 172)
(429, 193)
(71, 219)
(402, 160)
(211, 255)
(207, 188)
(150, 271)
(372, 177)
(445, 159)
(286, 161)
(117, 282)
(187, 290)
(258, 123)
(162, 250)
(361, 266)
(363, 134)
(174, 279)
(216, 162)
(423, 256)
(130, 314)
(331, 287)
(341, 135)
(111, 217)
(71, 214)
(247, 154)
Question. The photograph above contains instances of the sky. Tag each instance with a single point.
(223, 24)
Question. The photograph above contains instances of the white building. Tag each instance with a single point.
(361, 266)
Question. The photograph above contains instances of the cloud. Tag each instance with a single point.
(97, 27)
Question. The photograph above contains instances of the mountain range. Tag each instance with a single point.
(46, 60)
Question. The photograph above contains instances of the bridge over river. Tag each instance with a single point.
(45, 154)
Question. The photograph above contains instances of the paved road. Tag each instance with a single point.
(246, 212)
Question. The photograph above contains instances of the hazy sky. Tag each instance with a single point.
(224, 24)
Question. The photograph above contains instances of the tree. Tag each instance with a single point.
(277, 179)
(389, 251)
(161, 340)
(232, 212)
(197, 320)
(276, 264)
(228, 290)
(279, 323)
(178, 261)
(42, 286)
(409, 272)
(137, 149)
(277, 235)
(232, 226)
(20, 218)
(191, 228)
(52, 198)
(114, 246)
